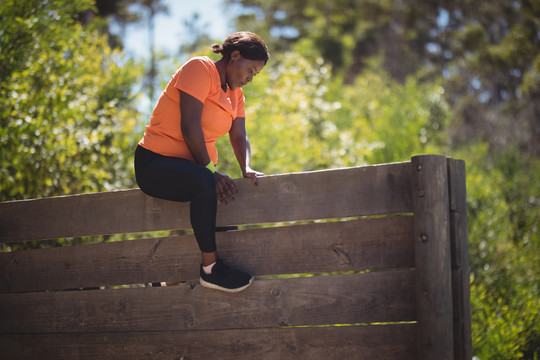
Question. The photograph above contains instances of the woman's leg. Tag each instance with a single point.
(181, 180)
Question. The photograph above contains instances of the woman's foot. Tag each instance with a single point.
(225, 279)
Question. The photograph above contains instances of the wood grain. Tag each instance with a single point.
(276, 318)
(432, 257)
(461, 295)
(324, 247)
(381, 342)
(368, 190)
(320, 300)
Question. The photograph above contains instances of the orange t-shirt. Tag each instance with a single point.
(199, 78)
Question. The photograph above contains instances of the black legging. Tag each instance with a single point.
(179, 179)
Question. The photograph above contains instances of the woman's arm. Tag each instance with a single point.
(242, 149)
(191, 111)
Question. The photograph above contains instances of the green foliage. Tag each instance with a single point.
(301, 118)
(503, 213)
(485, 52)
(287, 118)
(66, 113)
(349, 83)
(467, 85)
(388, 121)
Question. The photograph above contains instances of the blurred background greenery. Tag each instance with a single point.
(350, 82)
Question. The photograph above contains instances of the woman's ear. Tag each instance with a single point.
(235, 55)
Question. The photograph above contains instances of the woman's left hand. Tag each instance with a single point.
(225, 187)
(253, 175)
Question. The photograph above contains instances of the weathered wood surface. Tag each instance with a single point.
(190, 323)
(368, 190)
(432, 257)
(388, 342)
(323, 247)
(461, 296)
(337, 299)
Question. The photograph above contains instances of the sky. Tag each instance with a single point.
(169, 34)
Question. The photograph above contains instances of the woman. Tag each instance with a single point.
(176, 158)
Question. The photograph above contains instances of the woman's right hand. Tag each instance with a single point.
(225, 187)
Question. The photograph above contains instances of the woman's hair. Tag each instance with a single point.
(250, 46)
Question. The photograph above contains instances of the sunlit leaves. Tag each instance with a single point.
(66, 113)
(301, 117)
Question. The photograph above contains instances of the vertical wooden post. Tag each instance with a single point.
(432, 257)
(461, 292)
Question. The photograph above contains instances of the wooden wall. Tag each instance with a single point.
(380, 251)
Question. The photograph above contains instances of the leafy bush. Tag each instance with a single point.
(67, 114)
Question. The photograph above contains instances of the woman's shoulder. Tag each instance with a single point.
(200, 61)
(198, 72)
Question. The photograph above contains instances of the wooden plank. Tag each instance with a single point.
(382, 342)
(340, 246)
(432, 257)
(461, 295)
(338, 299)
(114, 212)
(368, 190)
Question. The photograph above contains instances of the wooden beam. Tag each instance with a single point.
(368, 190)
(319, 300)
(382, 342)
(432, 257)
(461, 293)
(323, 247)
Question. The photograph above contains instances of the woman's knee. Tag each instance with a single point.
(206, 183)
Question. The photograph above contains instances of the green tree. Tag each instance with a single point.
(67, 116)
(486, 53)
(301, 118)
(491, 74)
(383, 120)
(287, 118)
(467, 85)
(503, 212)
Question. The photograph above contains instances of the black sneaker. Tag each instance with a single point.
(225, 279)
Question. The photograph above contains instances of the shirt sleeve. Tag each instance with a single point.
(195, 79)
(241, 104)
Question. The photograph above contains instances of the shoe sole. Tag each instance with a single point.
(217, 287)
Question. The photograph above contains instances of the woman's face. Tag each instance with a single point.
(240, 70)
